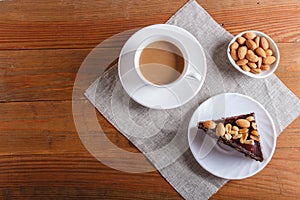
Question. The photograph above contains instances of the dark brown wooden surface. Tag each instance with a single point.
(42, 45)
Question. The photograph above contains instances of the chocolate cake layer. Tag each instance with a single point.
(246, 140)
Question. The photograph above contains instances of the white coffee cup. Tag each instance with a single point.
(186, 73)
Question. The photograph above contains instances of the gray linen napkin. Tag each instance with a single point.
(164, 140)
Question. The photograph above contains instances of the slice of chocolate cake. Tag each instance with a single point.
(239, 132)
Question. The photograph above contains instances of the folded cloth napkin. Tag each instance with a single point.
(164, 132)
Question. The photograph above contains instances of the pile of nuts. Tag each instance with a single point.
(241, 131)
(252, 53)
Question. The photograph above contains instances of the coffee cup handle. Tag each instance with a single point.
(194, 75)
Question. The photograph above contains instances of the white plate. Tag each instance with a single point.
(223, 161)
(151, 96)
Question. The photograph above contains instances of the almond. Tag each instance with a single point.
(220, 131)
(250, 52)
(242, 62)
(256, 71)
(260, 52)
(243, 123)
(257, 39)
(234, 55)
(269, 52)
(245, 68)
(242, 51)
(249, 35)
(252, 57)
(269, 60)
(252, 65)
(234, 46)
(264, 43)
(209, 124)
(251, 44)
(265, 67)
(241, 40)
(259, 62)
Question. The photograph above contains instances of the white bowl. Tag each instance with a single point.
(273, 47)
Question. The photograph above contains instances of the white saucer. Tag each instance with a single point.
(223, 161)
(151, 96)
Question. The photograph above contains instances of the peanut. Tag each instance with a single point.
(243, 130)
(250, 118)
(251, 142)
(237, 136)
(228, 128)
(228, 136)
(209, 124)
(254, 125)
(254, 137)
(235, 128)
(243, 138)
(254, 132)
(220, 131)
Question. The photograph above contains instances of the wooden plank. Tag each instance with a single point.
(289, 70)
(31, 25)
(41, 75)
(282, 172)
(267, 16)
(44, 150)
(41, 154)
(74, 175)
(48, 127)
(35, 75)
(76, 10)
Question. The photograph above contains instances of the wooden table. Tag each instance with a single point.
(42, 45)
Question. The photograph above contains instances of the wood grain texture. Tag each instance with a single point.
(46, 152)
(74, 24)
(42, 46)
(36, 75)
